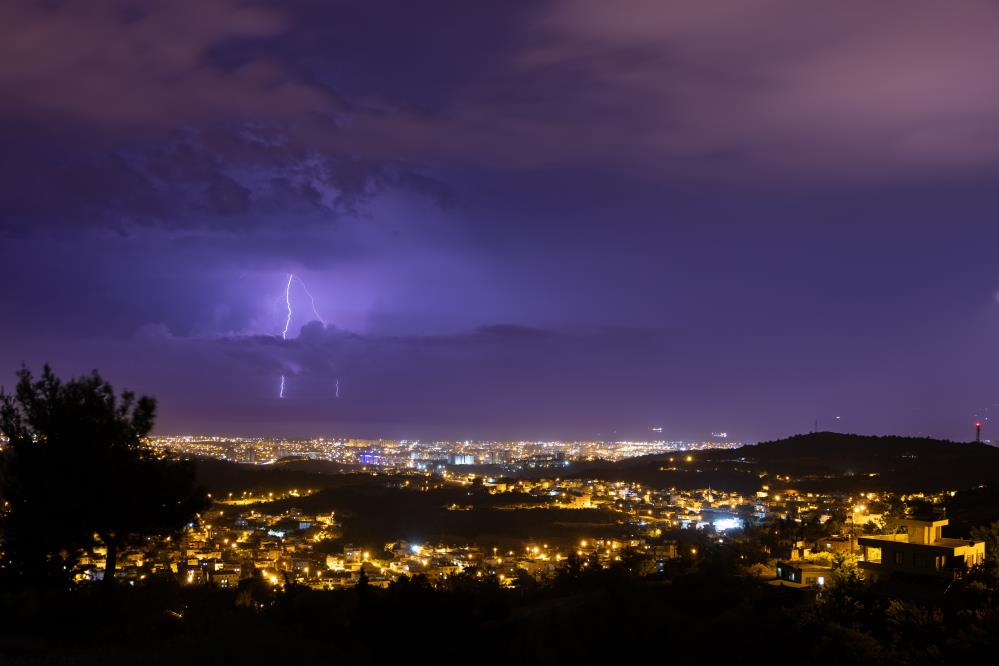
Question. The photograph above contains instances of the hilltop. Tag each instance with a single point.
(824, 461)
(847, 453)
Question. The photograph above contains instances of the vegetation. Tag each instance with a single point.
(75, 476)
(702, 608)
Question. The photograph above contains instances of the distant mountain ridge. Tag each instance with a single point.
(820, 461)
(839, 450)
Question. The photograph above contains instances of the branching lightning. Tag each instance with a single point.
(313, 300)
(287, 302)
(287, 321)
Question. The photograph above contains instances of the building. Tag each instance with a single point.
(793, 552)
(802, 574)
(228, 577)
(922, 550)
(836, 544)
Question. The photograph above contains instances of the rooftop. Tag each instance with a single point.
(904, 538)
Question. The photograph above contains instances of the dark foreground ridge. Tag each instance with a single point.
(703, 609)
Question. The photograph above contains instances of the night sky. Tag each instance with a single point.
(516, 219)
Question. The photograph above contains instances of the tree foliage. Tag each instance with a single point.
(76, 474)
(990, 535)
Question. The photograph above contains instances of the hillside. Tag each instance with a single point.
(221, 477)
(823, 461)
(845, 454)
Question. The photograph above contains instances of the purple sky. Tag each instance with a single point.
(518, 219)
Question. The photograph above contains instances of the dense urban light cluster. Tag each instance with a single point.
(263, 534)
(420, 454)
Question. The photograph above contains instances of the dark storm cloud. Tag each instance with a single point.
(227, 197)
(136, 115)
(426, 381)
(739, 90)
(316, 346)
(188, 114)
(183, 183)
(124, 65)
(801, 195)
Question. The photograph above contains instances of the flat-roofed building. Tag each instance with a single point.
(922, 550)
(802, 574)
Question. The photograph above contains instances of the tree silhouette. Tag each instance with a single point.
(990, 535)
(76, 473)
(362, 581)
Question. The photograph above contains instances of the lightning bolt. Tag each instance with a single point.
(311, 298)
(287, 321)
(287, 302)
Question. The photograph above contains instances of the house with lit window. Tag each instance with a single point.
(802, 574)
(921, 550)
